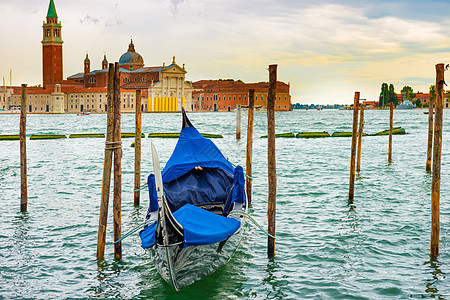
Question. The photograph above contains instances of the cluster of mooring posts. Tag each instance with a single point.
(434, 149)
(113, 145)
(113, 148)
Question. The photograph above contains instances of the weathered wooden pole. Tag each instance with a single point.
(238, 122)
(23, 150)
(271, 160)
(436, 173)
(137, 149)
(351, 189)
(117, 201)
(248, 168)
(360, 135)
(106, 181)
(430, 136)
(391, 127)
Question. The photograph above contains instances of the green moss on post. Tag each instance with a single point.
(47, 136)
(281, 135)
(86, 135)
(309, 135)
(9, 137)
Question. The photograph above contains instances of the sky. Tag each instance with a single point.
(325, 49)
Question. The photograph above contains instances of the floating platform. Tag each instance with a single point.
(344, 134)
(177, 135)
(396, 130)
(47, 136)
(86, 135)
(9, 137)
(131, 135)
(310, 135)
(281, 135)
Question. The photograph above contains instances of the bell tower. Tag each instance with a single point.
(52, 60)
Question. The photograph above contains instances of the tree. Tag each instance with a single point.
(384, 95)
(409, 92)
(392, 95)
(432, 93)
(418, 103)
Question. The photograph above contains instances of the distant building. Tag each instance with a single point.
(371, 104)
(163, 87)
(225, 95)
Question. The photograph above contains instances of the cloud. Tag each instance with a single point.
(89, 20)
(174, 5)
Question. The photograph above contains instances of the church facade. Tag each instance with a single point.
(164, 88)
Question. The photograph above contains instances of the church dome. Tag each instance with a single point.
(131, 59)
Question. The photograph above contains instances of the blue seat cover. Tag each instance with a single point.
(201, 227)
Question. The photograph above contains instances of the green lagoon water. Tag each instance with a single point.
(377, 248)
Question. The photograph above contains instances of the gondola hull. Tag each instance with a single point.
(198, 205)
(195, 262)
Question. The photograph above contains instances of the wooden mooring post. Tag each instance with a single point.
(248, 168)
(106, 181)
(360, 135)
(137, 149)
(271, 160)
(391, 127)
(430, 136)
(238, 122)
(436, 172)
(351, 189)
(117, 201)
(23, 150)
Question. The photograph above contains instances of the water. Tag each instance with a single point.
(377, 248)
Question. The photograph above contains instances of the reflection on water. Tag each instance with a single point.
(272, 282)
(107, 284)
(436, 275)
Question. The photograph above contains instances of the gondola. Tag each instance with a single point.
(196, 204)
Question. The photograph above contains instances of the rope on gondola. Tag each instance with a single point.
(241, 213)
(134, 230)
(145, 185)
(251, 178)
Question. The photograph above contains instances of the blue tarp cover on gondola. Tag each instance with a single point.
(216, 181)
(193, 150)
(200, 226)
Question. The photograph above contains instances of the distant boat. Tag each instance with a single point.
(406, 104)
(257, 108)
(84, 113)
(427, 112)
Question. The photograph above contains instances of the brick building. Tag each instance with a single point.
(224, 95)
